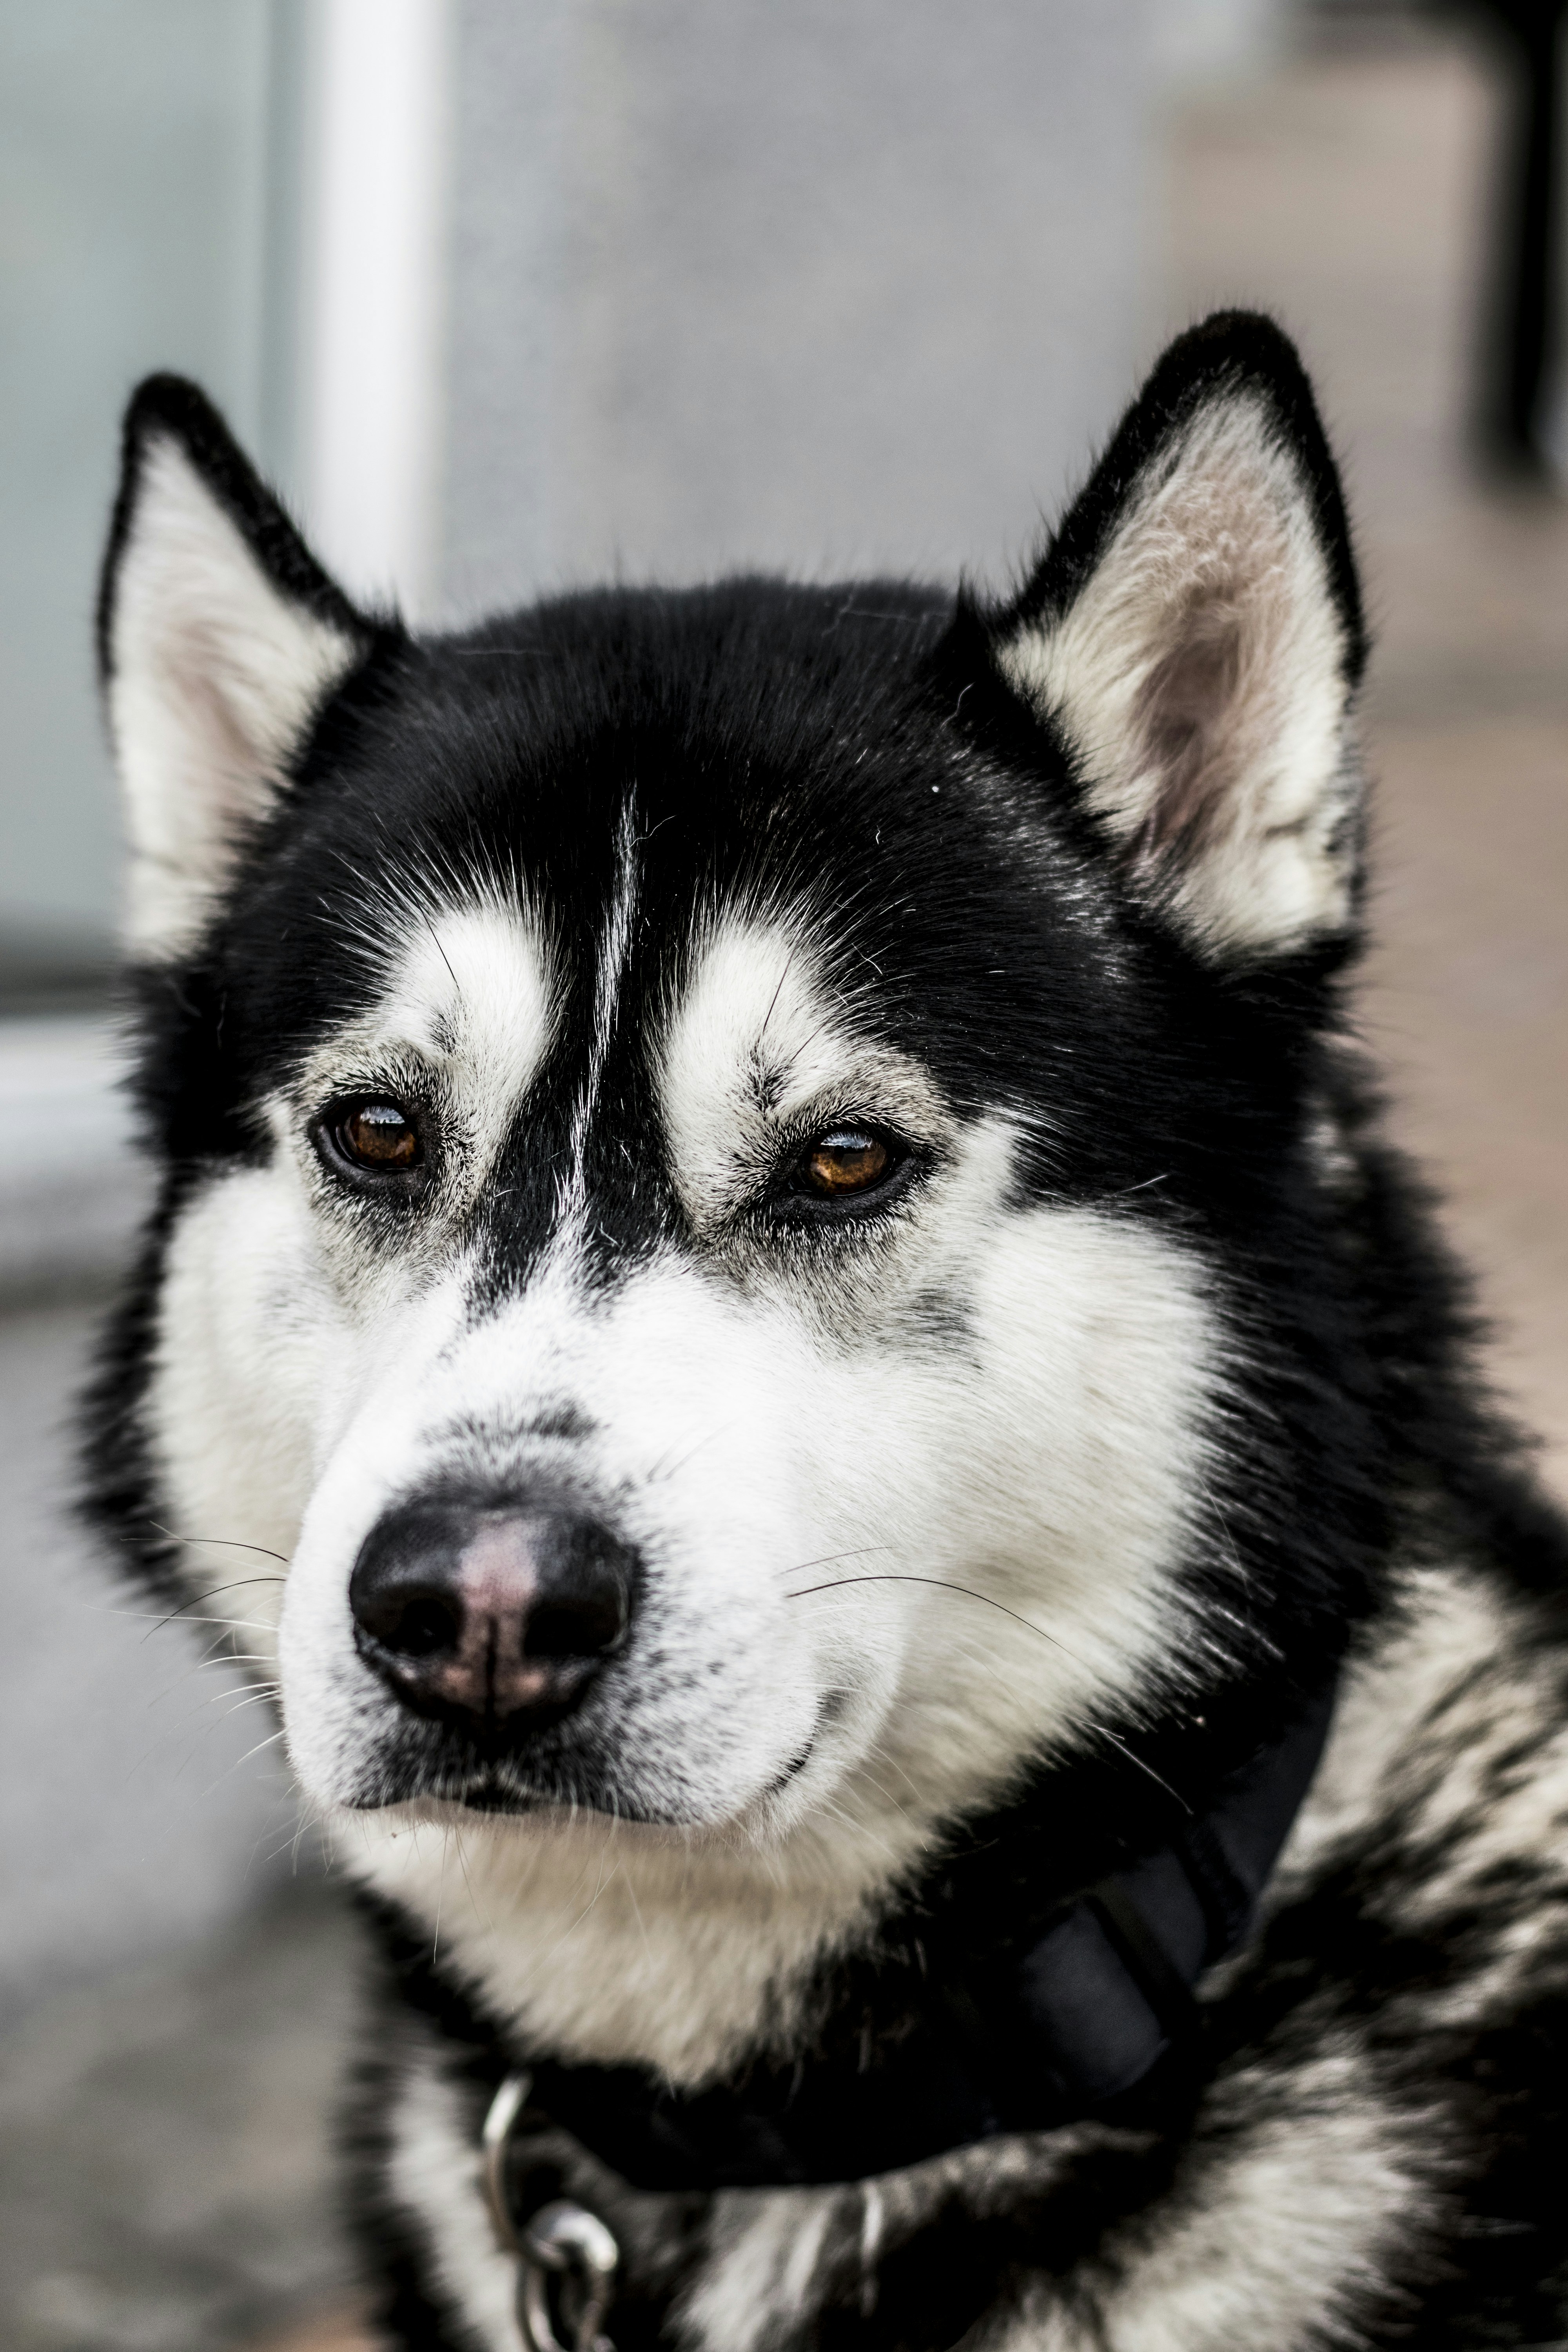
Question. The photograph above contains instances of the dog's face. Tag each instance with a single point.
(698, 1125)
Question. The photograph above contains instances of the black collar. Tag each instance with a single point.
(1068, 2027)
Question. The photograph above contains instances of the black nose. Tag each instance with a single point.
(492, 1616)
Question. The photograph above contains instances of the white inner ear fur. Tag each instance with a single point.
(1200, 678)
(214, 677)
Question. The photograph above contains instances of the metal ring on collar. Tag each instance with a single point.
(562, 2244)
(567, 2243)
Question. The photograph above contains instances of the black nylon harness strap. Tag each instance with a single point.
(1089, 2009)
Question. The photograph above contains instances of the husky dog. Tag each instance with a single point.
(894, 1578)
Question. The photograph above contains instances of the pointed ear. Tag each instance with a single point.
(1194, 631)
(220, 638)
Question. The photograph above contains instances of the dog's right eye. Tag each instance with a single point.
(376, 1135)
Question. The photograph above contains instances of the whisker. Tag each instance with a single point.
(252, 1698)
(216, 1656)
(773, 1001)
(240, 1584)
(855, 1551)
(224, 1543)
(938, 1583)
(637, 1910)
(270, 1741)
(1100, 1731)
(665, 1468)
(450, 975)
(142, 1616)
(446, 1833)
(463, 1866)
(884, 1792)
(309, 1818)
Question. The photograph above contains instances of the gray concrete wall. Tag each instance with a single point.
(132, 181)
(850, 283)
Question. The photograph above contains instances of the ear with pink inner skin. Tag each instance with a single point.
(1193, 633)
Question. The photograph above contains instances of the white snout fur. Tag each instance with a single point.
(888, 1555)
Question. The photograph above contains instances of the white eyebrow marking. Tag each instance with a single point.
(471, 988)
(761, 1038)
(572, 1195)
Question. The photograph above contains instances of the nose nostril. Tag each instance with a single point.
(426, 1624)
(409, 1622)
(587, 1628)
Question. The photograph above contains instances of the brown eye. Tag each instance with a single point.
(847, 1161)
(378, 1135)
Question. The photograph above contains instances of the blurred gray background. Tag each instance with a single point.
(510, 294)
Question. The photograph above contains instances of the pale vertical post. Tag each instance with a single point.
(372, 292)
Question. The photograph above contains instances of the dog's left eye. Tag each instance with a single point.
(375, 1134)
(846, 1162)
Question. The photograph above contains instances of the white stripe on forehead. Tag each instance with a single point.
(759, 1043)
(615, 948)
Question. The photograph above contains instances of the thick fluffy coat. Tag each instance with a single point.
(819, 1122)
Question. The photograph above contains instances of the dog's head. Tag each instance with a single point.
(728, 1148)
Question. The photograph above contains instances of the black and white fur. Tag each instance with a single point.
(980, 1528)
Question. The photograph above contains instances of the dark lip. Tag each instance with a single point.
(492, 1797)
(494, 1786)
(796, 1766)
(495, 1796)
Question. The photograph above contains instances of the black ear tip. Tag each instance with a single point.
(173, 405)
(170, 408)
(1254, 333)
(164, 407)
(1235, 348)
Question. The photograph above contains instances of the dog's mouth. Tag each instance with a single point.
(502, 1788)
(422, 1767)
(495, 1793)
(499, 1795)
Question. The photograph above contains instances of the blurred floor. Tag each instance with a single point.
(165, 2139)
(165, 2176)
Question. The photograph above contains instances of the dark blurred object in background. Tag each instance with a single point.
(1519, 344)
(1518, 425)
